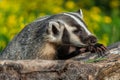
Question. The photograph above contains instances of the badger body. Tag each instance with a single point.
(50, 37)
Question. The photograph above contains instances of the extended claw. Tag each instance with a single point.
(98, 48)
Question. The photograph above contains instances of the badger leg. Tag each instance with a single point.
(67, 52)
(98, 48)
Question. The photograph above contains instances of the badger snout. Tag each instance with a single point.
(91, 40)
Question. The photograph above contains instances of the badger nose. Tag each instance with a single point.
(91, 40)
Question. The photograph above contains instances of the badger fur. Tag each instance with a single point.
(50, 37)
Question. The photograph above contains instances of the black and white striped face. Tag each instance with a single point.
(69, 28)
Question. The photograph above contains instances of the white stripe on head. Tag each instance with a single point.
(42, 18)
(77, 15)
(73, 38)
(79, 22)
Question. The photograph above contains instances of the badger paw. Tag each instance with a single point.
(98, 48)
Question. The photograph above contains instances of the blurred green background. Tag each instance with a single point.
(101, 16)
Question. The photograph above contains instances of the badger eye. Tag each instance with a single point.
(77, 31)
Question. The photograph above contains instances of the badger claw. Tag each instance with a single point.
(100, 49)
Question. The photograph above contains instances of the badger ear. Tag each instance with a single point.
(53, 28)
(80, 13)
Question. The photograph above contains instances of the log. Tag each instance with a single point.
(107, 68)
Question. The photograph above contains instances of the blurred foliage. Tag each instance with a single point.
(101, 16)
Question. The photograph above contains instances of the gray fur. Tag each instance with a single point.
(28, 43)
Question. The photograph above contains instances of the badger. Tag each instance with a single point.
(51, 37)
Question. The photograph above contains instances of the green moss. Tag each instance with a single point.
(96, 60)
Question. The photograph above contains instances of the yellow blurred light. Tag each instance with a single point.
(59, 3)
(4, 4)
(115, 3)
(13, 33)
(95, 17)
(12, 20)
(95, 26)
(22, 25)
(42, 14)
(21, 19)
(70, 4)
(1, 15)
(95, 14)
(2, 43)
(4, 30)
(95, 10)
(104, 39)
(31, 18)
(107, 19)
(57, 10)
(2, 18)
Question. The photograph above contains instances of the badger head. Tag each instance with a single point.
(69, 28)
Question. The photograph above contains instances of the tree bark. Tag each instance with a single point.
(72, 69)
